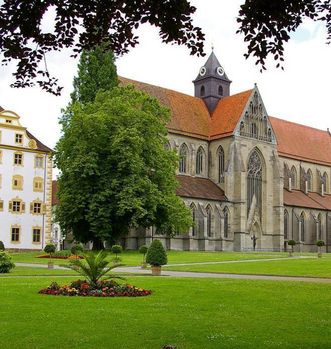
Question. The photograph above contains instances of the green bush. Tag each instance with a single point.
(156, 254)
(320, 243)
(117, 249)
(62, 253)
(2, 246)
(49, 249)
(143, 250)
(5, 262)
(77, 249)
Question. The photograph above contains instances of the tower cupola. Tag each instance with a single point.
(212, 83)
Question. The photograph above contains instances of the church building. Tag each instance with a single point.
(252, 181)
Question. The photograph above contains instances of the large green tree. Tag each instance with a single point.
(116, 172)
(96, 72)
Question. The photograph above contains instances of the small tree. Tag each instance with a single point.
(320, 244)
(291, 243)
(156, 256)
(117, 249)
(2, 246)
(5, 262)
(93, 267)
(76, 250)
(50, 249)
(143, 250)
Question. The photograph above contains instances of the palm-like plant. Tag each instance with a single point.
(93, 267)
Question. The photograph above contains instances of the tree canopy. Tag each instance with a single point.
(116, 173)
(267, 25)
(83, 24)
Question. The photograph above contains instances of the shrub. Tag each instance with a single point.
(50, 249)
(62, 253)
(2, 246)
(117, 249)
(5, 262)
(156, 254)
(143, 250)
(77, 249)
(320, 243)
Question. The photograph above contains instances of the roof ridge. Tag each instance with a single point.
(296, 123)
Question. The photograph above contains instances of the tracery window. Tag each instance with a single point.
(319, 228)
(293, 176)
(183, 153)
(221, 164)
(199, 161)
(286, 225)
(254, 181)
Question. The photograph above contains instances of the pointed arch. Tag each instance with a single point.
(302, 227)
(194, 219)
(254, 180)
(226, 215)
(294, 177)
(209, 213)
(286, 175)
(200, 161)
(326, 183)
(183, 158)
(221, 164)
(286, 224)
(309, 179)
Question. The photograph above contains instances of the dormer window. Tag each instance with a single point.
(202, 91)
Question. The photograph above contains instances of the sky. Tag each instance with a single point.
(300, 93)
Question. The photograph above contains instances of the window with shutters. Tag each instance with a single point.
(38, 184)
(17, 182)
(16, 206)
(36, 235)
(37, 207)
(15, 233)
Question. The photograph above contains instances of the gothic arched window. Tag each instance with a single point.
(183, 154)
(199, 161)
(220, 90)
(209, 219)
(221, 164)
(302, 227)
(309, 180)
(202, 91)
(285, 225)
(254, 181)
(293, 176)
(226, 222)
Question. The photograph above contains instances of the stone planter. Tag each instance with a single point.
(156, 270)
(50, 265)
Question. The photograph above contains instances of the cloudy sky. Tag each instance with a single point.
(301, 93)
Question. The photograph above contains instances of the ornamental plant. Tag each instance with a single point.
(117, 249)
(156, 254)
(2, 246)
(76, 249)
(93, 267)
(320, 244)
(50, 249)
(291, 243)
(5, 262)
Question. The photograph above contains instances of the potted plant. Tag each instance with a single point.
(320, 244)
(156, 257)
(49, 249)
(76, 250)
(291, 243)
(117, 249)
(143, 250)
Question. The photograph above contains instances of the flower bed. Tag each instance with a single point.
(103, 289)
(59, 257)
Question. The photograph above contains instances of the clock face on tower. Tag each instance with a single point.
(202, 71)
(220, 71)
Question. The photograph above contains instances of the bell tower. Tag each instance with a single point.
(212, 83)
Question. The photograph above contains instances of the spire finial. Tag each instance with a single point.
(212, 46)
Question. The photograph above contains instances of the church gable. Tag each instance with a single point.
(254, 121)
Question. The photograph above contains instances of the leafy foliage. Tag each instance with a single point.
(83, 24)
(267, 25)
(143, 250)
(50, 249)
(5, 262)
(2, 246)
(117, 249)
(156, 254)
(115, 171)
(93, 267)
(320, 243)
(76, 249)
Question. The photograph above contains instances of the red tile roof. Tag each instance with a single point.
(302, 142)
(227, 114)
(199, 188)
(310, 200)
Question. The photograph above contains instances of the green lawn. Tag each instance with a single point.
(27, 271)
(190, 313)
(132, 258)
(317, 267)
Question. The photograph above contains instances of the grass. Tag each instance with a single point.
(29, 271)
(133, 258)
(190, 313)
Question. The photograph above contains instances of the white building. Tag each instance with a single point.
(25, 186)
